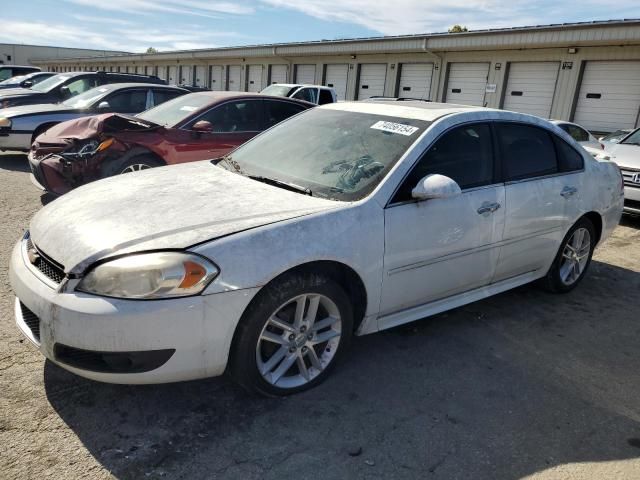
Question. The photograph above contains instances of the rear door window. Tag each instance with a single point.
(162, 95)
(527, 151)
(569, 160)
(307, 94)
(275, 111)
(129, 101)
(325, 97)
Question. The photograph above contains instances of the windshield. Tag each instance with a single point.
(329, 153)
(616, 136)
(633, 139)
(87, 98)
(174, 111)
(13, 80)
(50, 83)
(279, 90)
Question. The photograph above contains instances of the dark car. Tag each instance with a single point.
(19, 126)
(63, 86)
(25, 81)
(197, 126)
(8, 71)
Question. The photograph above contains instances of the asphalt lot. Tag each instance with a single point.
(522, 384)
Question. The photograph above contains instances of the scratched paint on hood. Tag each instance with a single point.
(167, 207)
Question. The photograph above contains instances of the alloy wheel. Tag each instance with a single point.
(299, 340)
(575, 256)
(136, 167)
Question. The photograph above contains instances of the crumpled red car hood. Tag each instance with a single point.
(89, 127)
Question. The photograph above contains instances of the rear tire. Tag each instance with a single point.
(291, 335)
(573, 258)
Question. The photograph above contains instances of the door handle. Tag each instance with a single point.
(568, 191)
(488, 207)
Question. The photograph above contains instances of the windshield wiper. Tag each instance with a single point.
(279, 183)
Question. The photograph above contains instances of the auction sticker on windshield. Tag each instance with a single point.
(392, 127)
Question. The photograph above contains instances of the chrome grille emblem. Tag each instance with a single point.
(635, 178)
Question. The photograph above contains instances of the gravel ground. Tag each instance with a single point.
(525, 384)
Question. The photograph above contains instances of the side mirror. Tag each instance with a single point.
(104, 107)
(202, 126)
(27, 84)
(65, 92)
(435, 186)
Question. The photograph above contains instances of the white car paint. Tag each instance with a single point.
(254, 232)
(627, 156)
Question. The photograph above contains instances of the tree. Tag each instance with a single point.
(458, 29)
(153, 50)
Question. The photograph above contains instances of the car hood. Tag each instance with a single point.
(92, 126)
(14, 92)
(23, 110)
(167, 207)
(625, 155)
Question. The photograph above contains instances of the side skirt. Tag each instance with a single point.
(455, 301)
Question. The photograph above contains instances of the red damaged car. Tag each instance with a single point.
(192, 127)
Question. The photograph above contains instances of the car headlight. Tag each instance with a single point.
(5, 122)
(150, 276)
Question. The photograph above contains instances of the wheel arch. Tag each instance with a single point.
(110, 167)
(40, 129)
(596, 219)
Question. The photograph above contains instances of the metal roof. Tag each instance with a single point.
(512, 37)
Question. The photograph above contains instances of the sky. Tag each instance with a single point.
(135, 25)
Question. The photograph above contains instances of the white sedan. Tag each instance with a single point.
(347, 219)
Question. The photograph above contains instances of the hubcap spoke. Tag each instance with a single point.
(302, 366)
(274, 360)
(276, 322)
(299, 315)
(324, 323)
(313, 358)
(324, 337)
(312, 312)
(274, 338)
(283, 367)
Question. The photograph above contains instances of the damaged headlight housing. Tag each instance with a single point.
(148, 276)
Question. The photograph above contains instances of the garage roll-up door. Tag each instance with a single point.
(372, 79)
(609, 96)
(278, 74)
(173, 75)
(234, 78)
(467, 83)
(201, 76)
(530, 87)
(305, 74)
(187, 74)
(254, 78)
(336, 77)
(415, 80)
(216, 76)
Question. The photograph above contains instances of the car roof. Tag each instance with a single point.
(220, 95)
(19, 66)
(416, 109)
(117, 86)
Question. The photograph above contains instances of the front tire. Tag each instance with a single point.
(292, 335)
(573, 259)
(135, 164)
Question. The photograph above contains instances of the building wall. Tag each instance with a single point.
(14, 54)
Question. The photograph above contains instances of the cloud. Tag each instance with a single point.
(424, 16)
(201, 8)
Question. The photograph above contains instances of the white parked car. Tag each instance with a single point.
(348, 219)
(318, 94)
(579, 134)
(626, 153)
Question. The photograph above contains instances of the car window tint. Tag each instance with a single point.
(6, 73)
(569, 159)
(325, 97)
(130, 101)
(578, 134)
(234, 117)
(307, 94)
(464, 154)
(81, 85)
(161, 96)
(527, 151)
(275, 112)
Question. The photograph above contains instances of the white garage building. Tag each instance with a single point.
(586, 72)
